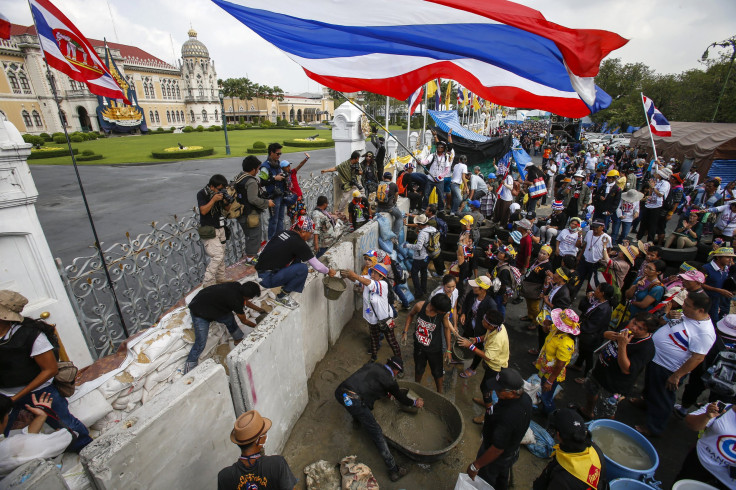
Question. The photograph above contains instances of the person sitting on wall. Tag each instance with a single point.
(217, 304)
(31, 444)
(249, 434)
(281, 262)
(350, 176)
(28, 363)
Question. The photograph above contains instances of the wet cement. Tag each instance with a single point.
(421, 431)
(621, 448)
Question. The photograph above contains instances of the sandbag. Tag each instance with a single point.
(356, 476)
(384, 227)
(158, 344)
(529, 437)
(115, 385)
(90, 408)
(108, 421)
(407, 293)
(464, 482)
(543, 441)
(385, 245)
(322, 476)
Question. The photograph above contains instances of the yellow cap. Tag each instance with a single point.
(467, 220)
(356, 193)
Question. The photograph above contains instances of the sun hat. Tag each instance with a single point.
(381, 269)
(693, 275)
(284, 163)
(632, 195)
(303, 223)
(510, 379)
(524, 223)
(579, 173)
(475, 203)
(467, 220)
(686, 267)
(516, 236)
(11, 304)
(483, 282)
(612, 173)
(356, 193)
(547, 249)
(723, 252)
(575, 218)
(566, 320)
(629, 251)
(491, 175)
(643, 247)
(727, 325)
(249, 427)
(421, 219)
(665, 173)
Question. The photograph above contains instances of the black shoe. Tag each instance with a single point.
(397, 473)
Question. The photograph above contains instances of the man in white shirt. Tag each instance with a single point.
(505, 197)
(440, 166)
(593, 243)
(681, 345)
(591, 162)
(651, 213)
(478, 186)
(459, 178)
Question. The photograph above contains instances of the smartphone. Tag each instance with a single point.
(721, 406)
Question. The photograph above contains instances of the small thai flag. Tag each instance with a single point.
(658, 124)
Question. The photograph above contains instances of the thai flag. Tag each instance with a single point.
(658, 124)
(460, 100)
(504, 52)
(67, 50)
(4, 27)
(415, 99)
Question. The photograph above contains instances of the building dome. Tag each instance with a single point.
(193, 48)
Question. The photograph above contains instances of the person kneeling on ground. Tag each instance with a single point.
(19, 449)
(217, 304)
(428, 337)
(280, 263)
(577, 462)
(359, 392)
(495, 355)
(376, 309)
(250, 434)
(503, 430)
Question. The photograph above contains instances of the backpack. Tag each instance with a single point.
(398, 272)
(441, 226)
(382, 192)
(720, 377)
(515, 274)
(237, 208)
(433, 245)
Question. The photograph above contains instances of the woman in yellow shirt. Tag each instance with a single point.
(556, 353)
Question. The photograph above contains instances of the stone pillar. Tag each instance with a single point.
(347, 132)
(428, 138)
(392, 147)
(25, 258)
(413, 139)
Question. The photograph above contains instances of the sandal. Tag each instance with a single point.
(479, 401)
(580, 380)
(468, 373)
(479, 419)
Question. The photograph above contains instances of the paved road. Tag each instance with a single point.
(127, 198)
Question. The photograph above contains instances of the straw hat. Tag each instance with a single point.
(632, 195)
(643, 247)
(566, 321)
(249, 427)
(723, 252)
(11, 304)
(630, 252)
(421, 219)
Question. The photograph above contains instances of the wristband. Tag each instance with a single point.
(448, 351)
(472, 348)
(473, 468)
(549, 382)
(479, 339)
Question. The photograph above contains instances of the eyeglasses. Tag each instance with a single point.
(278, 153)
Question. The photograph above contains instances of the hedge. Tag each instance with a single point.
(172, 155)
(88, 158)
(38, 154)
(259, 144)
(256, 151)
(309, 144)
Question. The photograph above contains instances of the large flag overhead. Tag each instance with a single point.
(658, 124)
(68, 51)
(415, 99)
(505, 52)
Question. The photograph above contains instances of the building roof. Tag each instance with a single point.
(133, 54)
(305, 95)
(193, 47)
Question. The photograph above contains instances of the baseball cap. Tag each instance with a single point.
(474, 203)
(284, 163)
(482, 282)
(387, 175)
(381, 269)
(395, 362)
(356, 193)
(303, 223)
(569, 424)
(692, 275)
(510, 379)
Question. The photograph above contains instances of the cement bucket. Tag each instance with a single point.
(692, 485)
(615, 470)
(629, 484)
(334, 287)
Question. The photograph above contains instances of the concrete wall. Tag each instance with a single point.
(38, 474)
(181, 439)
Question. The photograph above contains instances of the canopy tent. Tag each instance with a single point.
(701, 142)
(480, 150)
(447, 120)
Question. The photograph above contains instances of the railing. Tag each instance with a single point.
(151, 273)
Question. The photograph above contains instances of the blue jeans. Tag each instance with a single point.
(419, 277)
(201, 330)
(659, 399)
(625, 229)
(276, 217)
(548, 398)
(499, 303)
(361, 413)
(456, 196)
(401, 296)
(290, 278)
(398, 217)
(60, 406)
(321, 252)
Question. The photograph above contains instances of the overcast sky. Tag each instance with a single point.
(669, 36)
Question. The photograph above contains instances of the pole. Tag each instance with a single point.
(224, 122)
(408, 121)
(86, 205)
(728, 74)
(424, 124)
(646, 116)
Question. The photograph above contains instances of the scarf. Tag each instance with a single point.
(585, 465)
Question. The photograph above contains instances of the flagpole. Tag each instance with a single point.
(86, 204)
(424, 125)
(649, 123)
(387, 119)
(408, 120)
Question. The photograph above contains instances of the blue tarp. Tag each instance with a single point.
(725, 169)
(631, 129)
(521, 158)
(447, 120)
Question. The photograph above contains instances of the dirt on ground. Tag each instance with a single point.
(325, 430)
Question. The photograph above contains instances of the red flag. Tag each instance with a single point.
(4, 27)
(67, 50)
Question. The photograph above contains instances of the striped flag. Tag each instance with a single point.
(448, 95)
(394, 47)
(415, 99)
(658, 124)
(460, 99)
(67, 50)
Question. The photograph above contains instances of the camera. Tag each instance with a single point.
(225, 196)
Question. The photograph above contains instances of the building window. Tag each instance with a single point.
(152, 92)
(24, 83)
(168, 91)
(178, 116)
(145, 89)
(150, 116)
(14, 83)
(240, 109)
(201, 90)
(216, 119)
(157, 118)
(168, 116)
(63, 118)
(204, 115)
(37, 119)
(178, 94)
(27, 119)
(191, 114)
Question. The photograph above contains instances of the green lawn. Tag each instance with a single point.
(136, 149)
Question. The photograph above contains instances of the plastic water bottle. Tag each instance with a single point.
(346, 400)
(612, 402)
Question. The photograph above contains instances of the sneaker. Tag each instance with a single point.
(286, 301)
(397, 473)
(434, 274)
(251, 260)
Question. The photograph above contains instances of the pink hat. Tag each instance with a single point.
(694, 275)
(566, 321)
